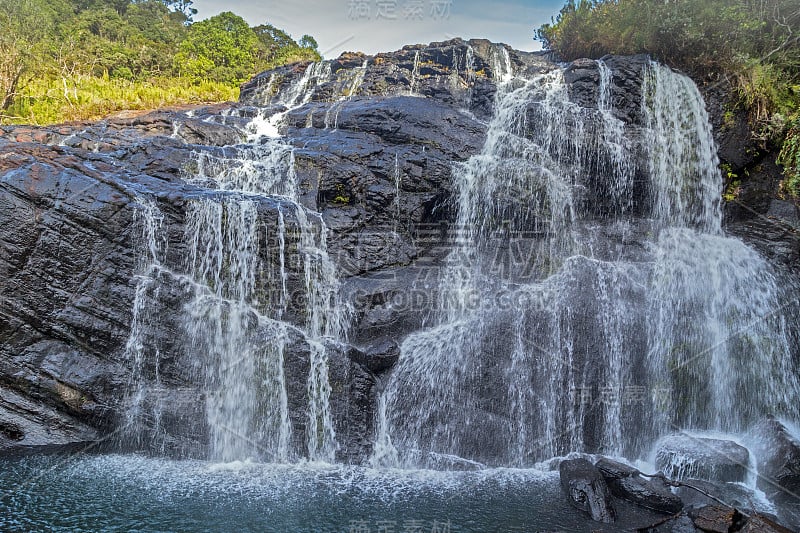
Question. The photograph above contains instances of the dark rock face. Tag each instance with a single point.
(681, 456)
(373, 153)
(755, 209)
(583, 77)
(66, 267)
(586, 489)
(457, 73)
(379, 356)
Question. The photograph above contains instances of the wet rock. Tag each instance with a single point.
(441, 71)
(778, 459)
(378, 357)
(626, 483)
(586, 489)
(615, 470)
(353, 401)
(391, 303)
(683, 456)
(733, 494)
(648, 493)
(583, 78)
(716, 519)
(762, 524)
(27, 426)
(678, 524)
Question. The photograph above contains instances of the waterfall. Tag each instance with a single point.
(236, 280)
(139, 348)
(353, 79)
(591, 300)
(412, 91)
(551, 333)
(683, 163)
(240, 406)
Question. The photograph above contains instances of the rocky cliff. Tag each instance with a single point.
(374, 142)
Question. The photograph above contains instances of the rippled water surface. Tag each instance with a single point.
(132, 493)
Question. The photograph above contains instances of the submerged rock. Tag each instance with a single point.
(586, 489)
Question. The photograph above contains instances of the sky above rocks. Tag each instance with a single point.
(373, 26)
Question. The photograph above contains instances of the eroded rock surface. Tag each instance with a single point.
(374, 144)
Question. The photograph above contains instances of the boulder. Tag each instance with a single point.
(715, 519)
(626, 483)
(682, 456)
(614, 469)
(586, 489)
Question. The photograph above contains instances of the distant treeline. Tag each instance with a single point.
(78, 59)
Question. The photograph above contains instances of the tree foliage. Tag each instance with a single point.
(220, 48)
(67, 43)
(686, 33)
(276, 47)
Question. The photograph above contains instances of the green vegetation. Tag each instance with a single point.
(790, 159)
(753, 43)
(81, 59)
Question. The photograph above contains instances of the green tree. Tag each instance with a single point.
(307, 41)
(276, 47)
(183, 7)
(26, 26)
(220, 48)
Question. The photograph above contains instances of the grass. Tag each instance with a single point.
(53, 101)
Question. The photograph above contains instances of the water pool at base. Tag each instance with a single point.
(135, 493)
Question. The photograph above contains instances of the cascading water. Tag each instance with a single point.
(552, 335)
(591, 300)
(139, 349)
(683, 157)
(237, 277)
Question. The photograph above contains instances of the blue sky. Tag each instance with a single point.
(385, 25)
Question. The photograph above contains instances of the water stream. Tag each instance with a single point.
(584, 345)
(237, 278)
